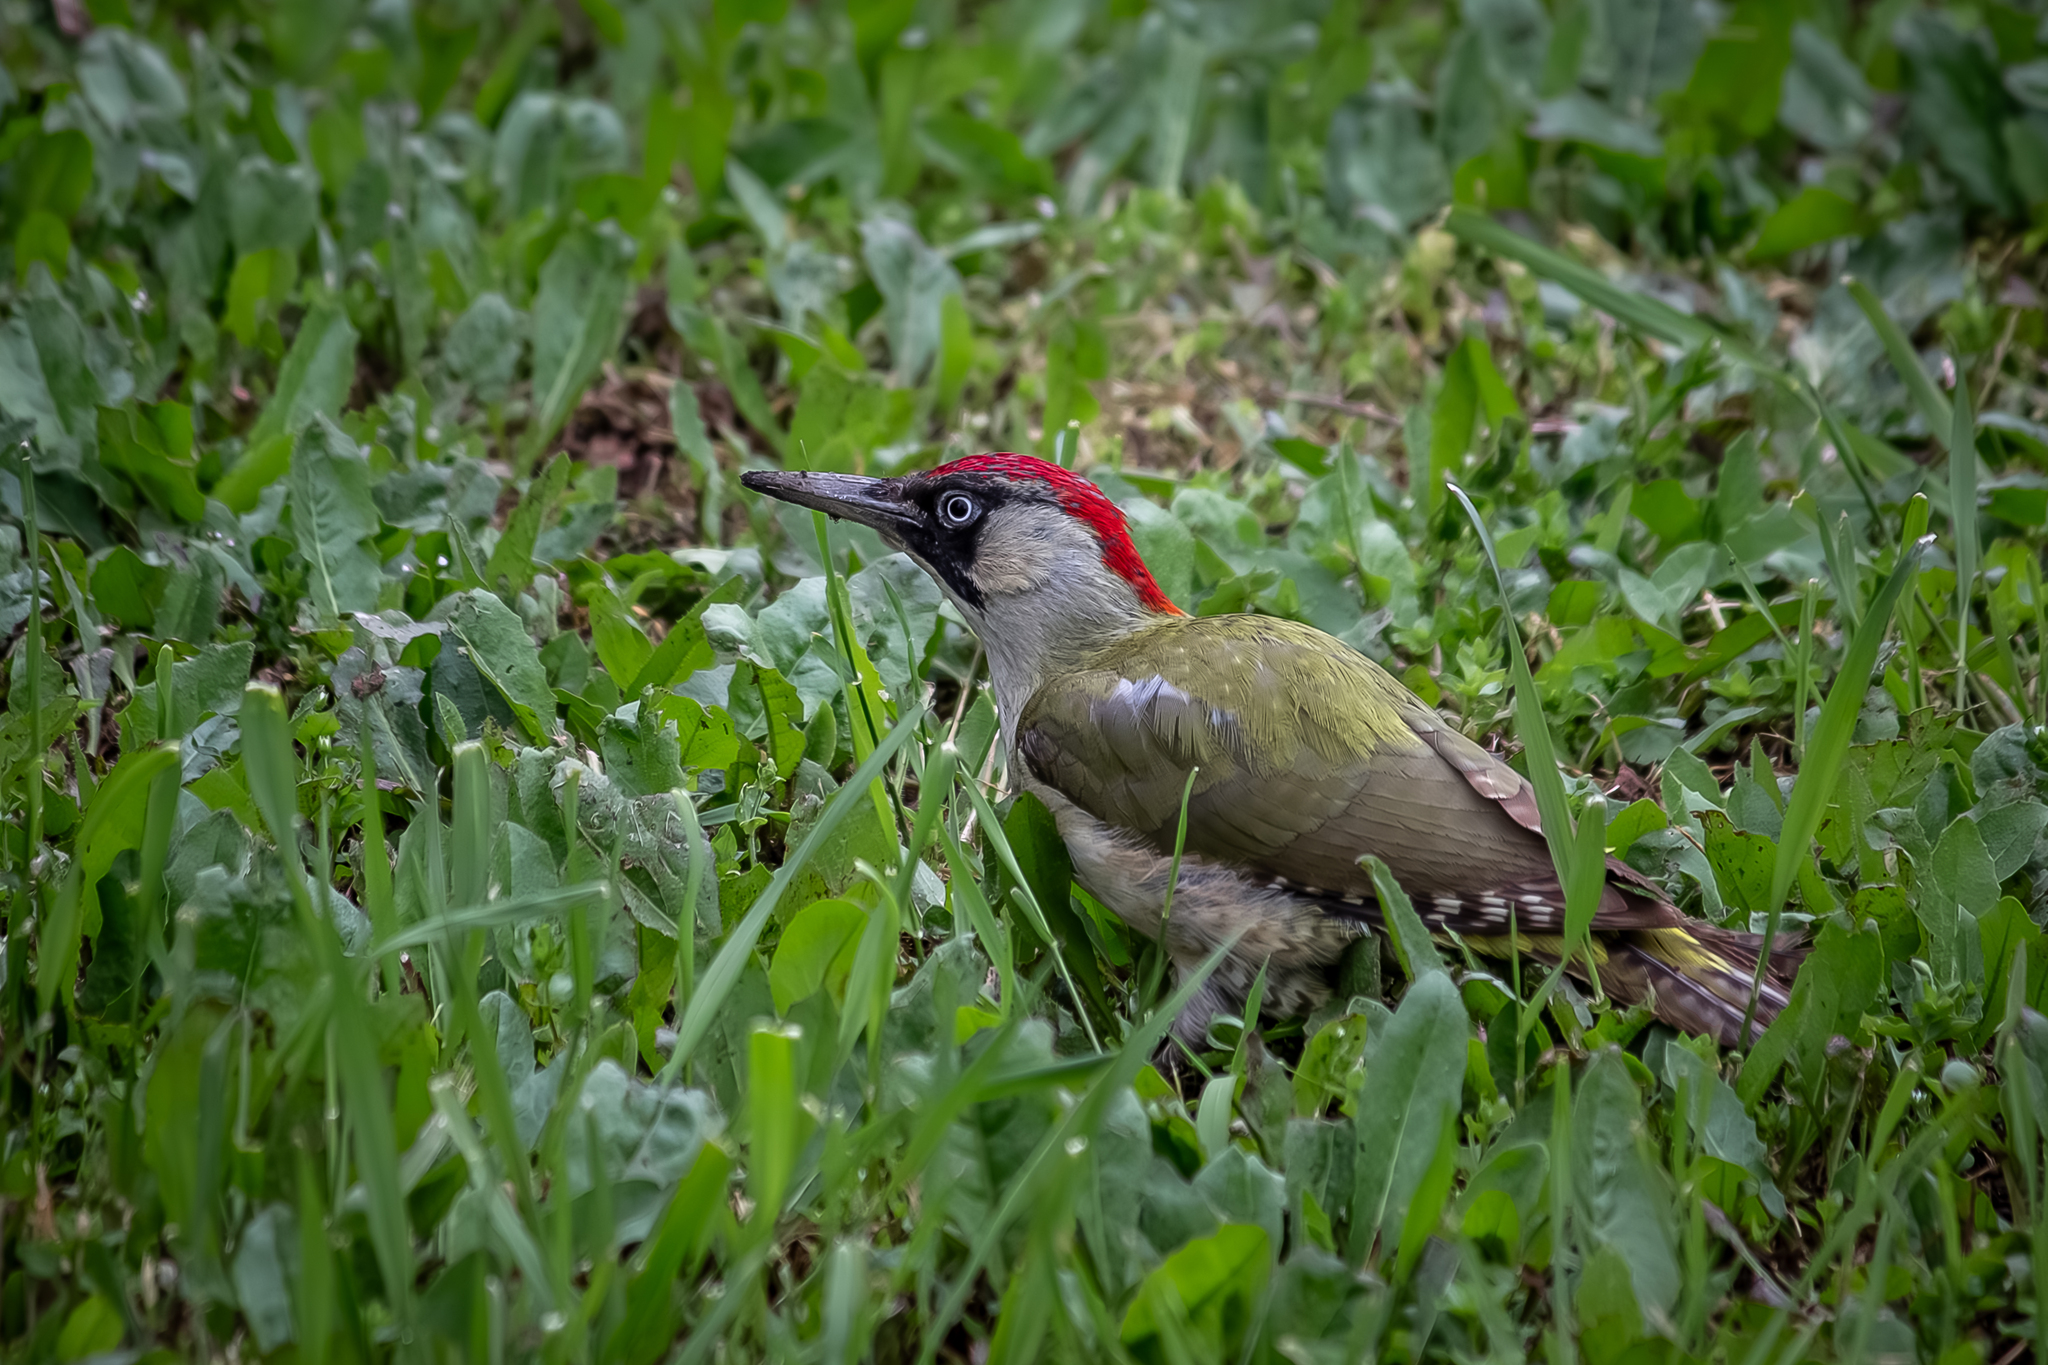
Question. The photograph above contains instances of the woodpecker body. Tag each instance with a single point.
(1309, 756)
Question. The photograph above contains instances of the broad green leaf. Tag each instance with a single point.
(1740, 75)
(621, 644)
(815, 951)
(1718, 1121)
(1610, 1319)
(497, 644)
(128, 591)
(258, 288)
(259, 1274)
(547, 142)
(1957, 104)
(1042, 857)
(1623, 1201)
(1206, 1290)
(209, 683)
(260, 466)
(1836, 983)
(156, 455)
(46, 374)
(577, 314)
(113, 822)
(1828, 744)
(683, 651)
(1379, 165)
(1328, 1063)
(332, 514)
(314, 378)
(53, 173)
(718, 980)
(1958, 884)
(512, 558)
(42, 238)
(2009, 834)
(272, 207)
(484, 346)
(1425, 1211)
(91, 1329)
(1415, 1073)
(783, 743)
(1815, 215)
(914, 281)
(705, 738)
(685, 1229)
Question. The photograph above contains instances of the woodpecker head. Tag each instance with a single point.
(1037, 558)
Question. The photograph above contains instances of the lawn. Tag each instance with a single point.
(480, 885)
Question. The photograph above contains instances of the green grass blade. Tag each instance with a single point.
(1920, 385)
(313, 1297)
(971, 904)
(273, 783)
(1802, 666)
(693, 888)
(469, 853)
(866, 709)
(115, 803)
(999, 843)
(724, 970)
(1552, 806)
(471, 878)
(776, 1123)
(161, 816)
(933, 790)
(1589, 879)
(29, 902)
(272, 771)
(1640, 312)
(377, 899)
(644, 1333)
(1080, 1121)
(1411, 938)
(1563, 1337)
(1826, 747)
(1918, 513)
(1962, 497)
(561, 900)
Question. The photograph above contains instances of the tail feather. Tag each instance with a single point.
(1696, 976)
(1699, 978)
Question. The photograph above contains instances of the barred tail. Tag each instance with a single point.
(1698, 977)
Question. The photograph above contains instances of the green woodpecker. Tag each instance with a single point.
(1310, 756)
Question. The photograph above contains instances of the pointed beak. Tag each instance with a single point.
(874, 503)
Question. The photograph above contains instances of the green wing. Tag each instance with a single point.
(1310, 756)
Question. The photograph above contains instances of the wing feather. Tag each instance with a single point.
(1310, 756)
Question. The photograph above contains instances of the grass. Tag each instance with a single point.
(479, 887)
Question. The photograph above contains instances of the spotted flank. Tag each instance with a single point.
(1466, 915)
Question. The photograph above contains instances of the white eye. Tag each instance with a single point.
(958, 510)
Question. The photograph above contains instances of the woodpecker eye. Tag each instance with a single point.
(957, 510)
